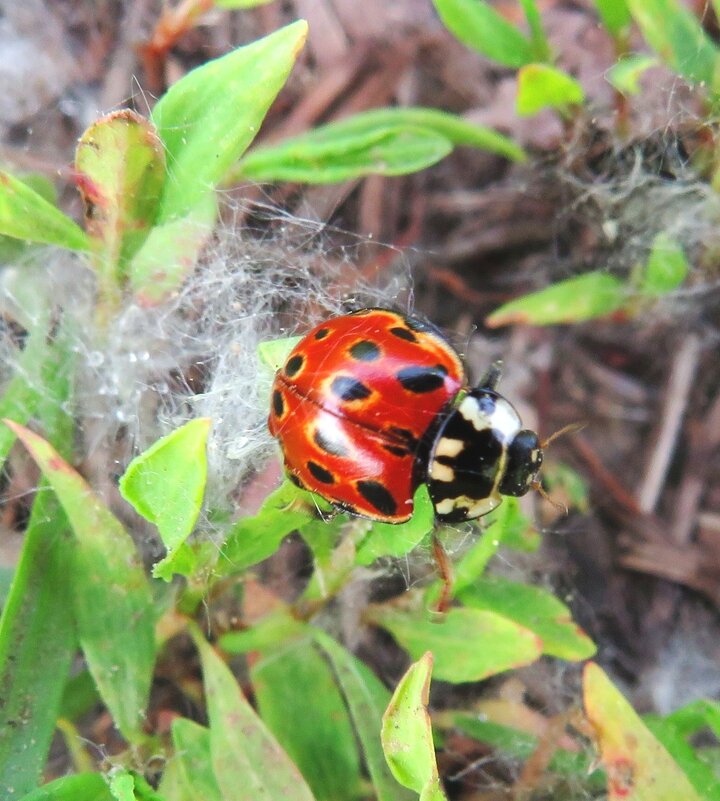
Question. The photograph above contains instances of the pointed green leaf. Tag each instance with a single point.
(323, 746)
(34, 623)
(193, 762)
(209, 117)
(638, 767)
(390, 141)
(276, 628)
(253, 539)
(625, 74)
(407, 734)
(274, 352)
(479, 26)
(584, 297)
(542, 86)
(468, 644)
(666, 267)
(677, 36)
(536, 610)
(120, 172)
(699, 772)
(388, 539)
(112, 601)
(247, 760)
(615, 16)
(366, 698)
(170, 253)
(166, 484)
(382, 152)
(25, 214)
(80, 787)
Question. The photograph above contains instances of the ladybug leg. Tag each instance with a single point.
(492, 376)
(446, 576)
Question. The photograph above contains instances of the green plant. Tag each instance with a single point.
(323, 725)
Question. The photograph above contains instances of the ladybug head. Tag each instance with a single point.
(524, 459)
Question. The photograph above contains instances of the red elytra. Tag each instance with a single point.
(353, 404)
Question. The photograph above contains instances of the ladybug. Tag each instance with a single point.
(370, 405)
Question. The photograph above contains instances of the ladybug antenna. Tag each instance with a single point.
(538, 487)
(569, 429)
(492, 376)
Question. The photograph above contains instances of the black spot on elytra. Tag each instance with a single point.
(422, 379)
(396, 450)
(349, 389)
(295, 480)
(365, 351)
(320, 473)
(321, 333)
(294, 365)
(377, 495)
(326, 443)
(404, 434)
(278, 403)
(403, 333)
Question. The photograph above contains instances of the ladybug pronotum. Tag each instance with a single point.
(370, 405)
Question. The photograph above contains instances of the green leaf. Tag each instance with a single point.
(366, 698)
(274, 352)
(638, 767)
(534, 609)
(468, 644)
(382, 152)
(276, 628)
(34, 623)
(170, 252)
(321, 742)
(247, 760)
(584, 297)
(390, 141)
(521, 745)
(541, 47)
(209, 117)
(695, 716)
(666, 267)
(542, 86)
(253, 539)
(112, 601)
(407, 734)
(79, 696)
(25, 214)
(615, 16)
(120, 172)
(122, 786)
(192, 760)
(397, 539)
(673, 31)
(625, 74)
(477, 25)
(80, 787)
(699, 773)
(166, 484)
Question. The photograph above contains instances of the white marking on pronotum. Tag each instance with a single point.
(447, 446)
(505, 419)
(441, 472)
(471, 411)
(472, 506)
